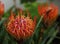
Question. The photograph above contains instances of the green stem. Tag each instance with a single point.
(52, 37)
(35, 29)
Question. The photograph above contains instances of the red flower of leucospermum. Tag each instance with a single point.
(1, 9)
(50, 13)
(20, 27)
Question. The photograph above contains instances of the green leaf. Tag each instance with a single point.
(5, 41)
(2, 34)
(26, 1)
(32, 8)
(47, 34)
(2, 21)
(52, 37)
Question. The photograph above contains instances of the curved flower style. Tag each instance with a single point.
(50, 13)
(20, 27)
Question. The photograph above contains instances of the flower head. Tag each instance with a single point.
(50, 13)
(1, 9)
(20, 26)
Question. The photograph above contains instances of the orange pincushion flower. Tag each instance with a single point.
(20, 27)
(1, 9)
(50, 13)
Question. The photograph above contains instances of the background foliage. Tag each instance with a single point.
(47, 37)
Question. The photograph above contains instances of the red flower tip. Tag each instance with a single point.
(21, 11)
(11, 16)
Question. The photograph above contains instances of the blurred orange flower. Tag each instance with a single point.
(20, 27)
(1, 9)
(50, 13)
